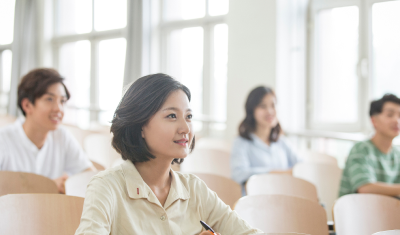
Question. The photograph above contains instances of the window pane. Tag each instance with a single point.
(74, 16)
(185, 63)
(219, 78)
(74, 65)
(6, 58)
(218, 7)
(335, 95)
(386, 48)
(184, 9)
(6, 62)
(111, 75)
(109, 14)
(7, 8)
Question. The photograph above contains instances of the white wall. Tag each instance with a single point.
(252, 54)
(267, 41)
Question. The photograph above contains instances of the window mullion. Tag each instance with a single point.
(1, 75)
(94, 78)
(207, 55)
(364, 39)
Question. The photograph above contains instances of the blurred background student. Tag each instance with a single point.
(373, 165)
(261, 147)
(37, 144)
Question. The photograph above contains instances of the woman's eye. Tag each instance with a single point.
(172, 116)
(190, 116)
(50, 99)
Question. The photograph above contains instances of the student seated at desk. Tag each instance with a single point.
(373, 166)
(152, 129)
(261, 147)
(37, 144)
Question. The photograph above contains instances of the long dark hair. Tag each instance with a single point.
(248, 125)
(140, 102)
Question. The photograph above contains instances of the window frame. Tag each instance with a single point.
(94, 37)
(208, 23)
(3, 109)
(364, 71)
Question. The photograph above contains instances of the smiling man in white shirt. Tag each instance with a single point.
(37, 144)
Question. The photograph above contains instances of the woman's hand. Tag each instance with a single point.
(208, 233)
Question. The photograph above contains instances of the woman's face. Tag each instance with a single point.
(169, 133)
(265, 112)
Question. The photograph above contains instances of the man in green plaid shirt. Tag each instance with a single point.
(373, 166)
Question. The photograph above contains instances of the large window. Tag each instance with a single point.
(354, 54)
(195, 51)
(7, 10)
(89, 51)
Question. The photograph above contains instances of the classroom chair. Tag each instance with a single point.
(213, 143)
(6, 120)
(312, 156)
(210, 161)
(365, 214)
(281, 184)
(325, 177)
(79, 133)
(98, 148)
(98, 166)
(284, 233)
(22, 182)
(76, 185)
(390, 232)
(40, 214)
(227, 190)
(283, 214)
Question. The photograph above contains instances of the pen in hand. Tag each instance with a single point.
(206, 227)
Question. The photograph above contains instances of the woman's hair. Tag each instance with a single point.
(140, 102)
(35, 84)
(248, 125)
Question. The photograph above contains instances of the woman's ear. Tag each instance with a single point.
(142, 134)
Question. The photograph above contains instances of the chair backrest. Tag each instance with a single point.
(21, 182)
(98, 148)
(6, 120)
(211, 161)
(78, 133)
(227, 190)
(311, 156)
(213, 143)
(40, 214)
(325, 177)
(76, 185)
(390, 232)
(284, 233)
(283, 214)
(98, 166)
(365, 214)
(281, 184)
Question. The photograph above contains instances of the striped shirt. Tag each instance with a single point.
(367, 164)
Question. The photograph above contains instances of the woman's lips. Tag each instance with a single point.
(182, 142)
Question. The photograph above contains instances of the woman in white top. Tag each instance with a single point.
(261, 147)
(152, 129)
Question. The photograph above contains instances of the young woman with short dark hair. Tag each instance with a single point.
(152, 129)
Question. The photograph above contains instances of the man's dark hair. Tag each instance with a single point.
(140, 102)
(35, 84)
(377, 105)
